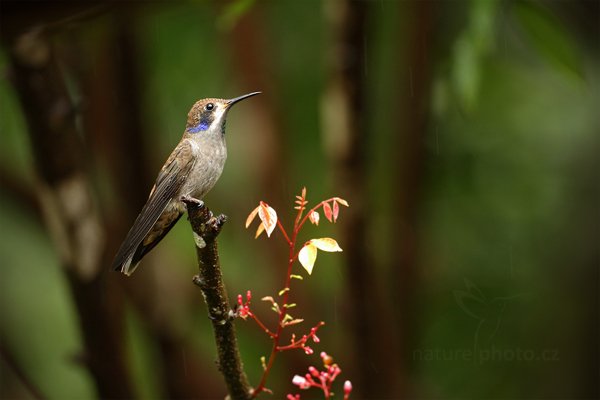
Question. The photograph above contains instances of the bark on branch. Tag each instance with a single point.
(206, 228)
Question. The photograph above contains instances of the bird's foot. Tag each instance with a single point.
(192, 202)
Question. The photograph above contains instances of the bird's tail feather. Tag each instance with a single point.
(128, 266)
(128, 262)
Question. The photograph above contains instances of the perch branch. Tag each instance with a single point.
(206, 228)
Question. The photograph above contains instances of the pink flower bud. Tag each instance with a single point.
(308, 350)
(300, 381)
(314, 372)
(347, 387)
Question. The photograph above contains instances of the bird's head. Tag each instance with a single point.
(208, 115)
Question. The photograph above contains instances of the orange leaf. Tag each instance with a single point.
(259, 230)
(336, 210)
(328, 212)
(268, 216)
(251, 216)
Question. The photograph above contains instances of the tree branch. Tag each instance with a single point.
(206, 229)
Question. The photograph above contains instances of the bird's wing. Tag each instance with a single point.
(169, 182)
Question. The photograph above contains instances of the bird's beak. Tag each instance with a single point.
(240, 98)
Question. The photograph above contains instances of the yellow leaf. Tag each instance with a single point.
(293, 322)
(326, 244)
(251, 216)
(307, 257)
(341, 201)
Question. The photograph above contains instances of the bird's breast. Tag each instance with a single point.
(207, 169)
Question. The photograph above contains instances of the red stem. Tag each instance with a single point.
(296, 345)
(325, 388)
(277, 336)
(262, 326)
(285, 235)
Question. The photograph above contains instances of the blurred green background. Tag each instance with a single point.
(469, 157)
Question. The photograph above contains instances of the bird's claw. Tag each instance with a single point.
(192, 202)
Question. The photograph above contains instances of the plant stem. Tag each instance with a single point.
(262, 325)
(285, 235)
(293, 255)
(277, 336)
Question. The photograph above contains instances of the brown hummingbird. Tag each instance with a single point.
(191, 170)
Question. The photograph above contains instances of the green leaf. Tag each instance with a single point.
(233, 12)
(469, 50)
(549, 37)
(466, 75)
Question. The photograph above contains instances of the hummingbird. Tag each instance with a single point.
(191, 170)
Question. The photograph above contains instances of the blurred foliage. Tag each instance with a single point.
(233, 12)
(470, 48)
(549, 37)
(506, 219)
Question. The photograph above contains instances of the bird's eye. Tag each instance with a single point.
(209, 106)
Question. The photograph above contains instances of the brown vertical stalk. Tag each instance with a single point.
(346, 129)
(411, 123)
(68, 209)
